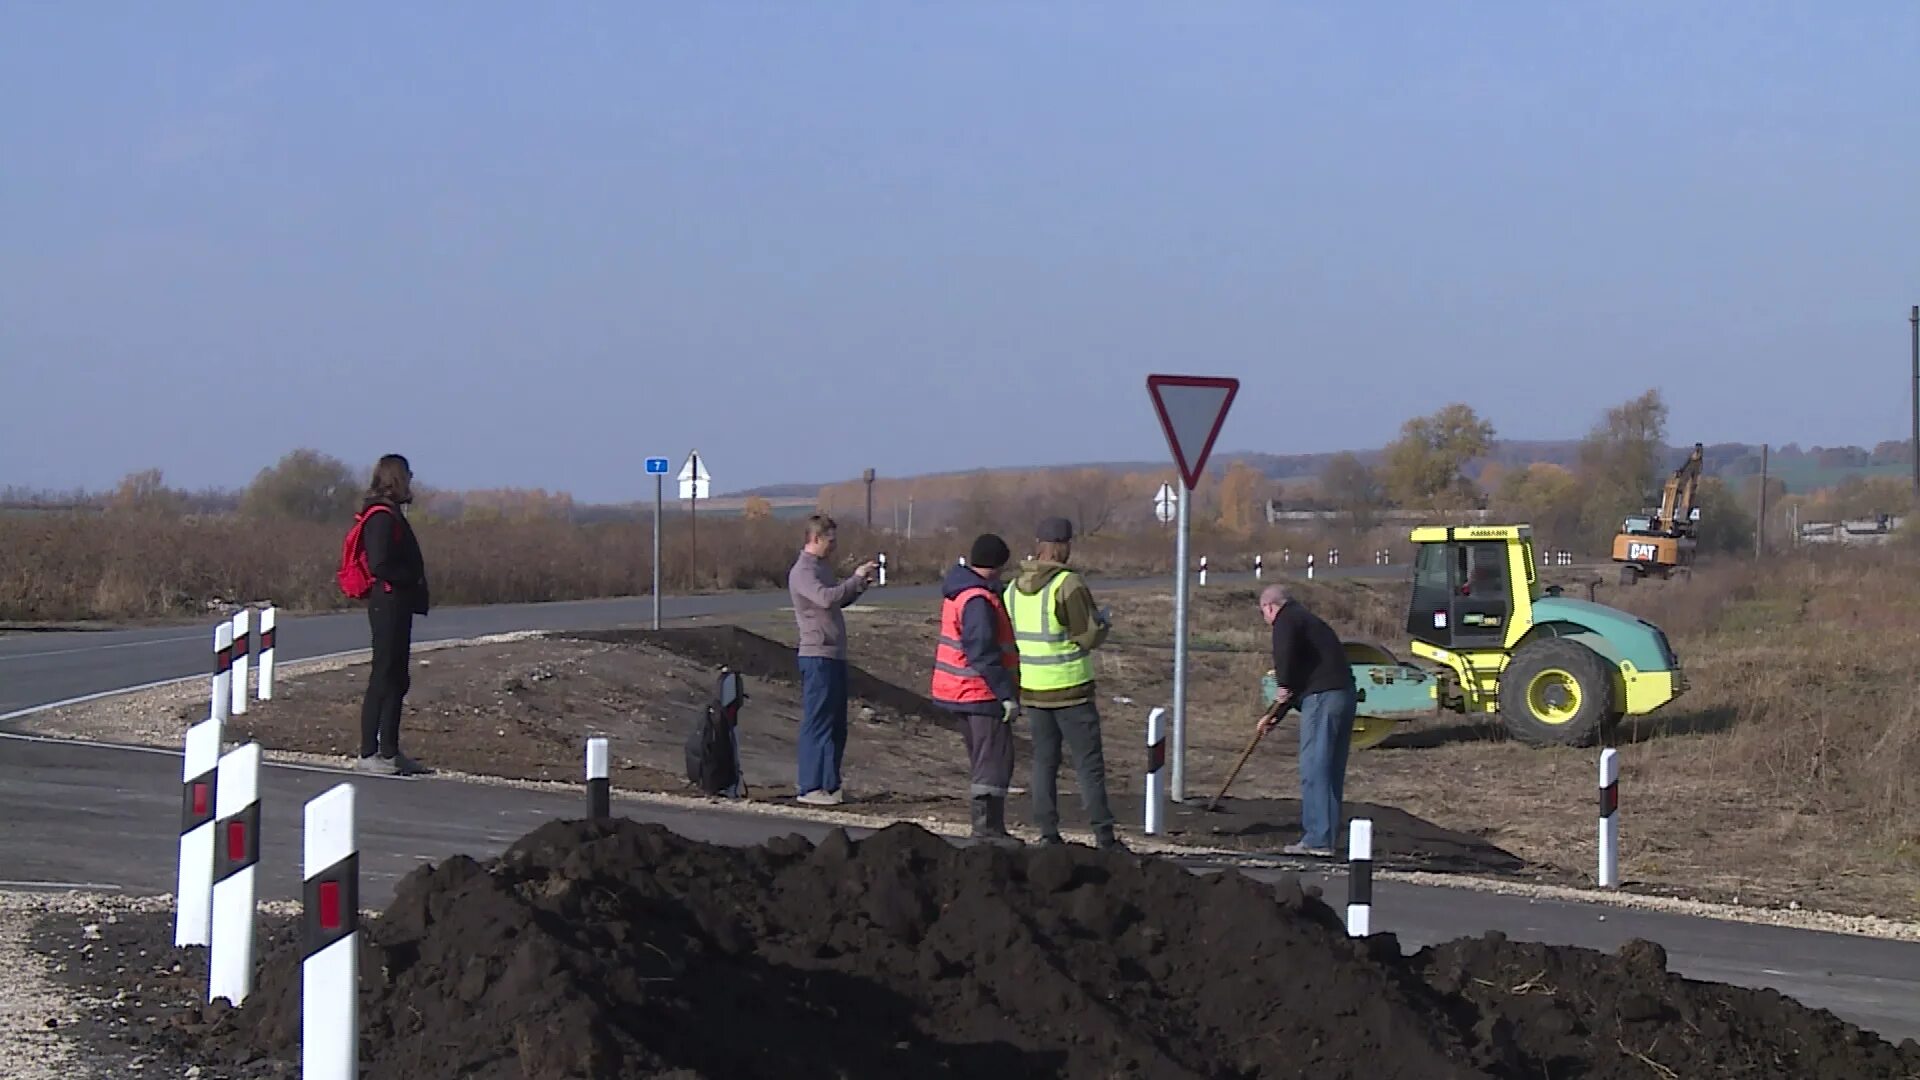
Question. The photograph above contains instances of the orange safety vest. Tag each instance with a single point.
(954, 679)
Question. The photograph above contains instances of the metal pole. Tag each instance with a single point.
(658, 482)
(693, 521)
(1913, 319)
(909, 519)
(1760, 526)
(1183, 528)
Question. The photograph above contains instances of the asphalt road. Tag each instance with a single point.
(107, 818)
(40, 668)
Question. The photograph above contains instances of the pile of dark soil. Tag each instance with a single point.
(759, 657)
(616, 949)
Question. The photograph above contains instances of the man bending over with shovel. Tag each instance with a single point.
(1311, 671)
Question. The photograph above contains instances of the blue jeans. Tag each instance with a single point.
(1326, 734)
(823, 728)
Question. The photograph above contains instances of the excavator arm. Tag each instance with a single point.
(1677, 501)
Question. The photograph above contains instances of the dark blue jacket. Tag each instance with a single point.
(981, 639)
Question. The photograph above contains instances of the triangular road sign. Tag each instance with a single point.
(694, 469)
(1191, 408)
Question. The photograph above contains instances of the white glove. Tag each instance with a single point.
(1009, 711)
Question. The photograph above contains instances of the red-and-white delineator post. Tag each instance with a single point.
(1359, 877)
(222, 670)
(266, 654)
(599, 793)
(1609, 818)
(236, 853)
(1156, 771)
(193, 894)
(242, 639)
(330, 934)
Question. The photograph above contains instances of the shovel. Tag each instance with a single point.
(1259, 731)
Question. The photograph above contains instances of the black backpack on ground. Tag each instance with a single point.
(713, 760)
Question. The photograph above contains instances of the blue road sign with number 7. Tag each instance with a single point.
(656, 465)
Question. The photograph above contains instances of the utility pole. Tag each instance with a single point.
(868, 477)
(1913, 320)
(1760, 524)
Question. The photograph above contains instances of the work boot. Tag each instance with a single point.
(988, 825)
(997, 820)
(1105, 840)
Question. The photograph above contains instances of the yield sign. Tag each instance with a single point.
(1191, 408)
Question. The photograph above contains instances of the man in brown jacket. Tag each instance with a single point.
(1057, 626)
(817, 600)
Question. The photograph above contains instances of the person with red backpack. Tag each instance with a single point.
(383, 565)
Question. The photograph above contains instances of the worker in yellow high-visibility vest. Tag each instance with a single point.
(1056, 627)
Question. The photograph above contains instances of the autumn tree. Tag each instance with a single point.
(1242, 498)
(1354, 490)
(145, 492)
(1726, 520)
(1620, 462)
(1870, 496)
(1425, 465)
(1092, 499)
(756, 508)
(1545, 496)
(305, 485)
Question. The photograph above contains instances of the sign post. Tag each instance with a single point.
(693, 488)
(1192, 409)
(657, 468)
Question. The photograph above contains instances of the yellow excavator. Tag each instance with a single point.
(1660, 543)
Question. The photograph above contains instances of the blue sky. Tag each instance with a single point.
(529, 245)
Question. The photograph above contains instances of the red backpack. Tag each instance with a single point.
(355, 576)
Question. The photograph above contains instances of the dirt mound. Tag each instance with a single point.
(617, 949)
(759, 657)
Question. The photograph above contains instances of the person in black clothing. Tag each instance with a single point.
(1311, 670)
(399, 593)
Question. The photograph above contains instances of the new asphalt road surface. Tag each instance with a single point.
(93, 817)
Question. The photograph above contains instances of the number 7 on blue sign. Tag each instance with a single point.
(656, 465)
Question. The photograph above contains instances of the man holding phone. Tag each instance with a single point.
(817, 599)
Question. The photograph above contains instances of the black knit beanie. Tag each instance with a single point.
(989, 552)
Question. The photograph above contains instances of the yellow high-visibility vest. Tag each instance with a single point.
(1049, 660)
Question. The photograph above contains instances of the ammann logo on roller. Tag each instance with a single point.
(1642, 551)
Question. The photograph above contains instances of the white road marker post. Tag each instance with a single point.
(1156, 772)
(242, 634)
(1309, 566)
(883, 569)
(223, 670)
(193, 893)
(266, 654)
(330, 925)
(599, 791)
(235, 858)
(1609, 818)
(1256, 567)
(1359, 877)
(1203, 571)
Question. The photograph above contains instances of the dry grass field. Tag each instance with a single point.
(89, 566)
